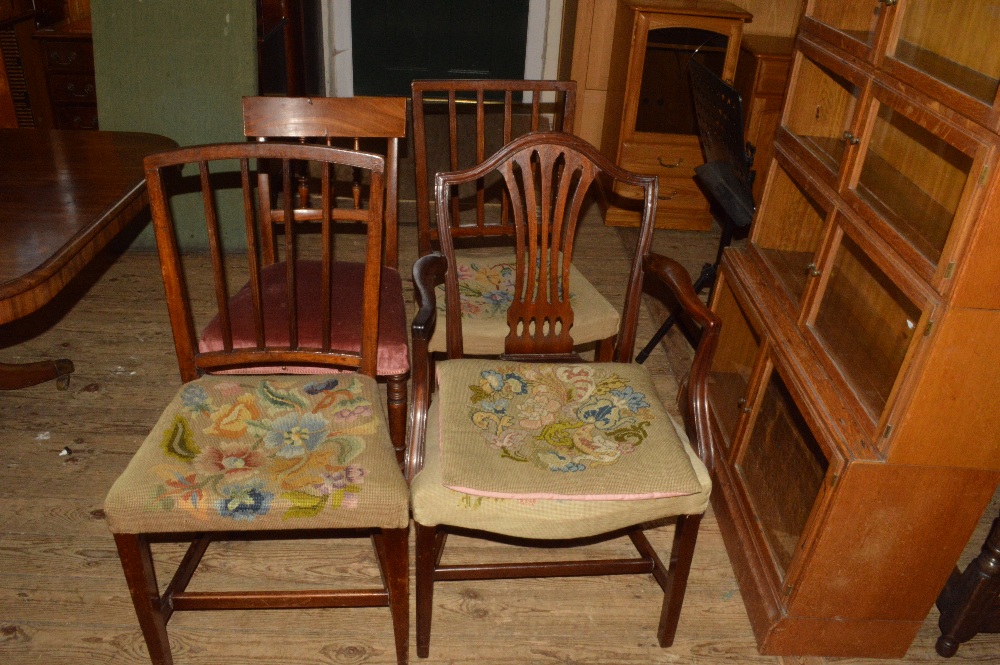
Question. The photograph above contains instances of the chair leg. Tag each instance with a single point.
(604, 350)
(392, 547)
(396, 398)
(137, 562)
(426, 560)
(681, 555)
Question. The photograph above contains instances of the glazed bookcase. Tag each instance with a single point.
(852, 395)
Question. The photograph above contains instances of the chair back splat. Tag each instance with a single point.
(371, 123)
(478, 117)
(278, 432)
(551, 450)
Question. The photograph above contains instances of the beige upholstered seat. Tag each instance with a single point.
(506, 482)
(237, 453)
(486, 290)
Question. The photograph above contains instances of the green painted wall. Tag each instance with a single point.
(177, 68)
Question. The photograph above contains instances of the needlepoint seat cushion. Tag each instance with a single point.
(239, 452)
(486, 287)
(345, 333)
(553, 451)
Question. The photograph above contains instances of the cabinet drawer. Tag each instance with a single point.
(73, 88)
(69, 56)
(674, 193)
(668, 159)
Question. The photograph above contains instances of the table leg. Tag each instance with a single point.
(14, 376)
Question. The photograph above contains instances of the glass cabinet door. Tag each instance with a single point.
(867, 323)
(929, 52)
(788, 231)
(782, 468)
(851, 24)
(820, 110)
(914, 180)
(732, 364)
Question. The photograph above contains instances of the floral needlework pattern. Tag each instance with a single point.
(233, 448)
(486, 289)
(563, 418)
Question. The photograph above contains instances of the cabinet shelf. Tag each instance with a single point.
(960, 77)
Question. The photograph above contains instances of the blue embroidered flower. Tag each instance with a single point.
(243, 502)
(499, 299)
(633, 400)
(194, 398)
(499, 405)
(600, 412)
(318, 387)
(294, 435)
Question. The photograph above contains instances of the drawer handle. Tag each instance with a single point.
(668, 197)
(813, 271)
(59, 59)
(851, 138)
(742, 405)
(888, 3)
(680, 160)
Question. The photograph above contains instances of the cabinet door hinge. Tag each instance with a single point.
(834, 479)
(949, 270)
(788, 589)
(929, 328)
(983, 175)
(887, 432)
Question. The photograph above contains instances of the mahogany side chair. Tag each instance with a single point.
(377, 124)
(537, 447)
(473, 119)
(261, 456)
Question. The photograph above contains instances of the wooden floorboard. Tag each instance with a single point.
(63, 598)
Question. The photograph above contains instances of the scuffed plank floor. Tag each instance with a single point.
(63, 598)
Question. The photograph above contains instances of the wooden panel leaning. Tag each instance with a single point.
(552, 451)
(262, 456)
(355, 122)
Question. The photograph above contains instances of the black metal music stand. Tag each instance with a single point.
(726, 176)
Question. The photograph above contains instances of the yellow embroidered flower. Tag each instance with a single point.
(230, 422)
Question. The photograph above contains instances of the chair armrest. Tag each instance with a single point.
(428, 272)
(695, 397)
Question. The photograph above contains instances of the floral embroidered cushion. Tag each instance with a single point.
(435, 504)
(486, 287)
(277, 452)
(588, 431)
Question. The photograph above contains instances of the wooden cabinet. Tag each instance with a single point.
(852, 390)
(761, 78)
(68, 53)
(649, 122)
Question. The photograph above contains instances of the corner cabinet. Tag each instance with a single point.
(649, 121)
(852, 392)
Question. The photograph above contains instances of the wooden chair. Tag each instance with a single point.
(537, 447)
(261, 457)
(349, 120)
(483, 116)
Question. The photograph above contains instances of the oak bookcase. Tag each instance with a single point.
(858, 439)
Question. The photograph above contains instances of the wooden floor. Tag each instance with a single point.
(63, 598)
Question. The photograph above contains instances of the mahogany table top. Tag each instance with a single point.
(63, 196)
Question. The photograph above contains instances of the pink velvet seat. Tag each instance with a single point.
(345, 334)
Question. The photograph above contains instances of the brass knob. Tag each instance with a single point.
(851, 138)
(742, 404)
(813, 271)
(888, 3)
(680, 160)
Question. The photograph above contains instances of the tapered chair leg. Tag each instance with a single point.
(426, 560)
(137, 562)
(392, 546)
(681, 556)
(398, 413)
